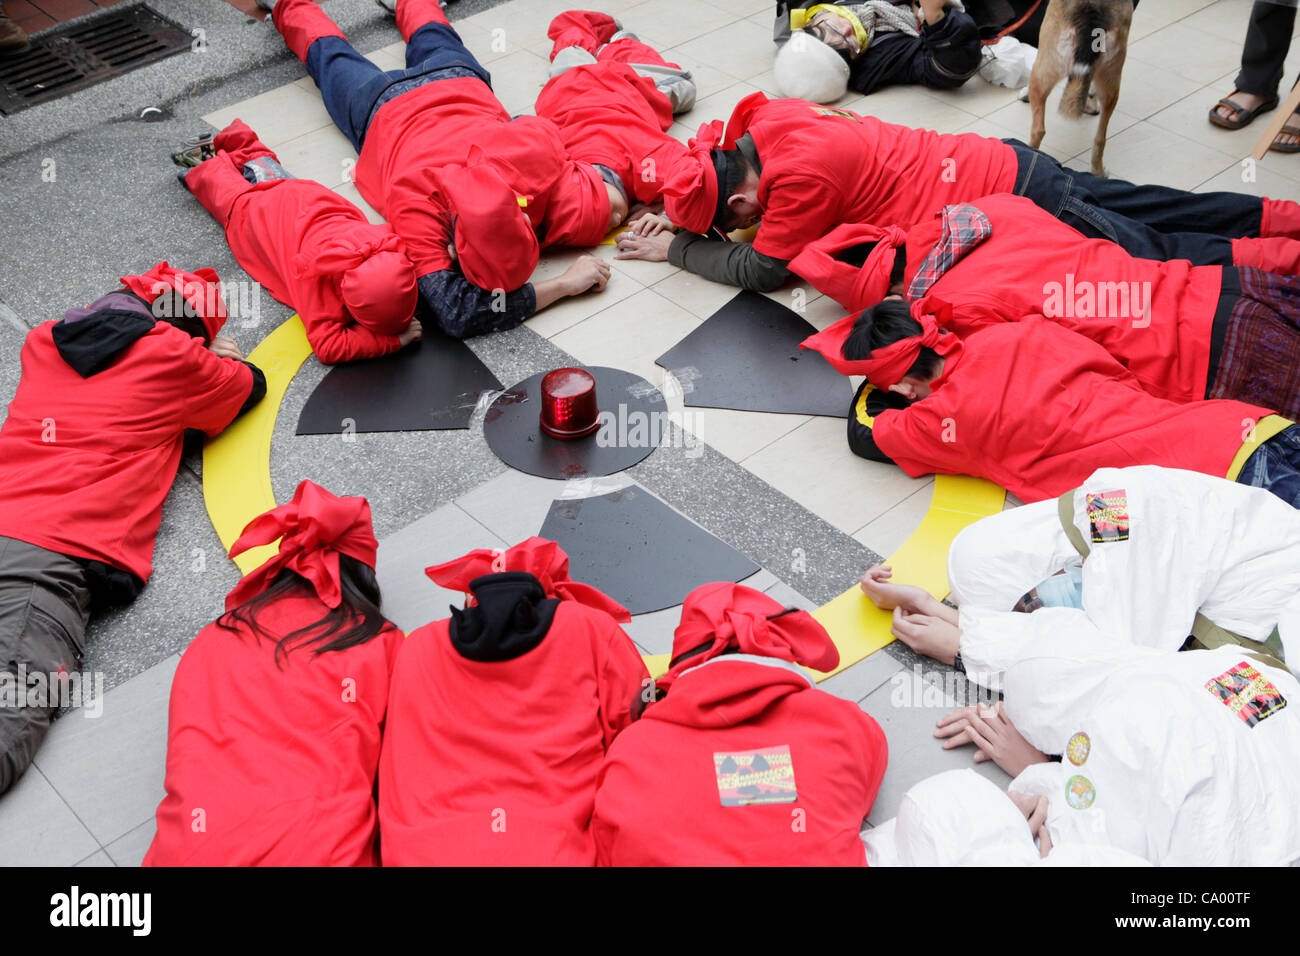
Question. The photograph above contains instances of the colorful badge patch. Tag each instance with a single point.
(1108, 516)
(1247, 693)
(830, 111)
(1078, 748)
(755, 776)
(1079, 792)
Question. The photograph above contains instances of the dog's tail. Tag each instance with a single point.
(1090, 22)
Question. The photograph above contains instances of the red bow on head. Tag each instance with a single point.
(742, 116)
(201, 289)
(885, 366)
(314, 529)
(852, 287)
(544, 560)
(691, 187)
(733, 616)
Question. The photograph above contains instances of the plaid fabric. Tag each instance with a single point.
(1260, 360)
(964, 228)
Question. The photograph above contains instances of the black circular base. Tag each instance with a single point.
(633, 419)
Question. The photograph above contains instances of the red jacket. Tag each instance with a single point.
(276, 221)
(86, 463)
(608, 114)
(1037, 408)
(494, 762)
(435, 125)
(661, 794)
(280, 760)
(824, 166)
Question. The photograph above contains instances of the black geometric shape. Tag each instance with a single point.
(746, 356)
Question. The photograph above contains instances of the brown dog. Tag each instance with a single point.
(1088, 40)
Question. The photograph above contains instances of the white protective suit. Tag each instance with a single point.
(1181, 759)
(1164, 544)
(959, 818)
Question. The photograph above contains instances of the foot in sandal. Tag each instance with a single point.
(1238, 109)
(1288, 138)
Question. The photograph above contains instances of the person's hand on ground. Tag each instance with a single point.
(587, 274)
(413, 333)
(647, 226)
(993, 734)
(226, 348)
(1035, 811)
(877, 584)
(927, 634)
(640, 209)
(652, 248)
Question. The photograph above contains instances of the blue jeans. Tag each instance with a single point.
(351, 85)
(1275, 466)
(1150, 222)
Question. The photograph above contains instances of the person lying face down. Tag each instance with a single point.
(804, 169)
(350, 282)
(1186, 332)
(277, 707)
(1036, 408)
(88, 452)
(744, 761)
(409, 126)
(825, 49)
(1180, 759)
(613, 98)
(499, 718)
(1145, 575)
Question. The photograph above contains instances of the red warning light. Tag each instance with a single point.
(569, 403)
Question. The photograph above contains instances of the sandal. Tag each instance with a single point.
(1243, 116)
(1277, 147)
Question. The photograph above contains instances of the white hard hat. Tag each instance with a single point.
(808, 69)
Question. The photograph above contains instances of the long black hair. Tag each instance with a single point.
(356, 620)
(883, 324)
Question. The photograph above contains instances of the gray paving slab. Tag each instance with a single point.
(12, 333)
(864, 677)
(100, 858)
(410, 599)
(109, 770)
(36, 826)
(191, 578)
(907, 710)
(129, 850)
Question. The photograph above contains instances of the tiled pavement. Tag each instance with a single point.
(773, 486)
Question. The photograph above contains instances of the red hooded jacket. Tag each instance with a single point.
(282, 230)
(823, 166)
(1155, 317)
(281, 760)
(609, 114)
(744, 762)
(494, 740)
(1037, 408)
(435, 125)
(86, 463)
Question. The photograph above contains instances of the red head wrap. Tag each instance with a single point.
(852, 287)
(885, 366)
(201, 289)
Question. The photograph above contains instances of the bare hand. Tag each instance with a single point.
(927, 634)
(876, 584)
(993, 734)
(652, 248)
(226, 348)
(1035, 811)
(932, 10)
(647, 226)
(587, 274)
(413, 333)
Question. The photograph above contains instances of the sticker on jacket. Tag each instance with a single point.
(755, 776)
(1108, 516)
(1247, 693)
(831, 111)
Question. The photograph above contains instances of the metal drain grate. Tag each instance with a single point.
(70, 58)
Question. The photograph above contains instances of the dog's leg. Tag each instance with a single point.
(1107, 80)
(1048, 71)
